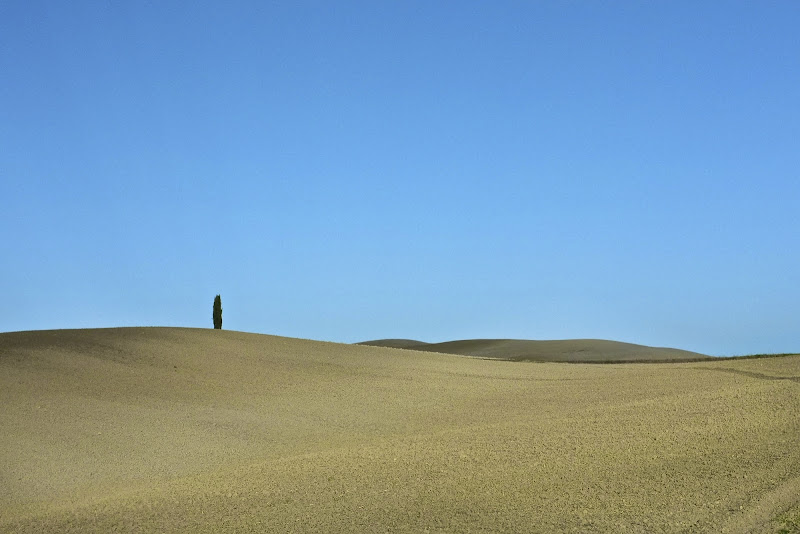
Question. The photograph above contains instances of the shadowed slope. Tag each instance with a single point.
(568, 350)
(188, 430)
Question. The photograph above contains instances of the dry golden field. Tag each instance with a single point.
(189, 430)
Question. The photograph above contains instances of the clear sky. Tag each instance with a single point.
(347, 171)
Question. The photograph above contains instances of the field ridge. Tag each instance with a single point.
(567, 350)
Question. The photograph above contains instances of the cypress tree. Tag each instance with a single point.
(217, 314)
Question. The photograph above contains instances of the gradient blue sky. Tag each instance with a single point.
(433, 170)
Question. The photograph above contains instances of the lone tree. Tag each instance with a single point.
(217, 313)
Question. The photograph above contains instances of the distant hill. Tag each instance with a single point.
(396, 343)
(567, 350)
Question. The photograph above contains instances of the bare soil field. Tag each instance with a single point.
(190, 430)
(559, 350)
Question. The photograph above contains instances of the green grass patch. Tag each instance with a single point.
(789, 521)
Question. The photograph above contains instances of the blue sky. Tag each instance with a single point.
(432, 170)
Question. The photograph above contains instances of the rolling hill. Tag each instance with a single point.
(569, 350)
(192, 430)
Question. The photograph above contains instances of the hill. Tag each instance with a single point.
(190, 430)
(569, 350)
(396, 343)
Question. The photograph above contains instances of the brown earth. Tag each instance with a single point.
(566, 350)
(188, 430)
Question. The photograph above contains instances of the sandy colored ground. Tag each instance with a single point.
(187, 430)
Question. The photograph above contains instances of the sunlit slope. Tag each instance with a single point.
(142, 430)
(567, 350)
